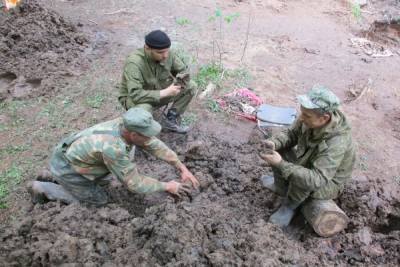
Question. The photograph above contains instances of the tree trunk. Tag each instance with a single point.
(325, 217)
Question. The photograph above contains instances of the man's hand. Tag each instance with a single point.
(186, 175)
(171, 90)
(273, 159)
(268, 144)
(177, 189)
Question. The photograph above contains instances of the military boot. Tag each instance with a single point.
(285, 213)
(269, 182)
(171, 122)
(42, 192)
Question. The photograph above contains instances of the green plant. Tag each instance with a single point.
(220, 17)
(13, 149)
(209, 73)
(95, 101)
(188, 119)
(230, 18)
(356, 10)
(213, 105)
(182, 21)
(48, 110)
(12, 176)
(241, 77)
(363, 165)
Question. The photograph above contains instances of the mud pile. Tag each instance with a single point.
(221, 224)
(38, 48)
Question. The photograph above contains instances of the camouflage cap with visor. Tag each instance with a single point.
(141, 121)
(319, 97)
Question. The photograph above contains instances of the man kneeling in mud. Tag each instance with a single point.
(82, 161)
(323, 158)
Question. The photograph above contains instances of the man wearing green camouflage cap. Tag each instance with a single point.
(156, 76)
(313, 158)
(82, 162)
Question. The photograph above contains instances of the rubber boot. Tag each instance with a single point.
(171, 122)
(285, 213)
(269, 182)
(45, 191)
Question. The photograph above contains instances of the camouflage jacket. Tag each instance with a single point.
(100, 149)
(322, 155)
(143, 78)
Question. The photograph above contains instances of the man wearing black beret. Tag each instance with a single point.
(155, 76)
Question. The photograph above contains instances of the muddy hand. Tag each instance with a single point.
(183, 190)
(186, 175)
(268, 145)
(273, 158)
(177, 189)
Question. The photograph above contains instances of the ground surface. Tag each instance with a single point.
(60, 62)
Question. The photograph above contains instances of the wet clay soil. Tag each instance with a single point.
(223, 223)
(38, 48)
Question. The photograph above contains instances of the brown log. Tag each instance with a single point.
(325, 217)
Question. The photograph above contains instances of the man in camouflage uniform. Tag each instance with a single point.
(323, 158)
(82, 161)
(155, 76)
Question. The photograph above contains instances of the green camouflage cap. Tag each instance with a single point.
(319, 97)
(141, 121)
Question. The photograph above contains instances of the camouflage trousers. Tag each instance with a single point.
(298, 193)
(80, 187)
(179, 102)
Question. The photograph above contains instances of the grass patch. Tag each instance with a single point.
(182, 21)
(12, 150)
(356, 10)
(188, 119)
(209, 73)
(11, 177)
(213, 106)
(95, 101)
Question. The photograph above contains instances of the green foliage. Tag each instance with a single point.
(48, 110)
(356, 10)
(182, 21)
(213, 105)
(230, 18)
(183, 54)
(12, 176)
(95, 101)
(188, 119)
(363, 164)
(11, 150)
(67, 102)
(241, 77)
(209, 73)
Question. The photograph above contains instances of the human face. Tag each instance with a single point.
(312, 119)
(138, 139)
(159, 55)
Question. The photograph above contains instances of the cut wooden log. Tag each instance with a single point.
(325, 217)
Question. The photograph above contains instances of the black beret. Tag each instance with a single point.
(157, 40)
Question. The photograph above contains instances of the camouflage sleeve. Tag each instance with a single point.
(134, 86)
(160, 150)
(178, 66)
(328, 159)
(288, 137)
(117, 161)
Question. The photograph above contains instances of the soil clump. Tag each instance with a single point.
(222, 223)
(38, 50)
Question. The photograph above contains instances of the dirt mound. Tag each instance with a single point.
(38, 48)
(222, 224)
